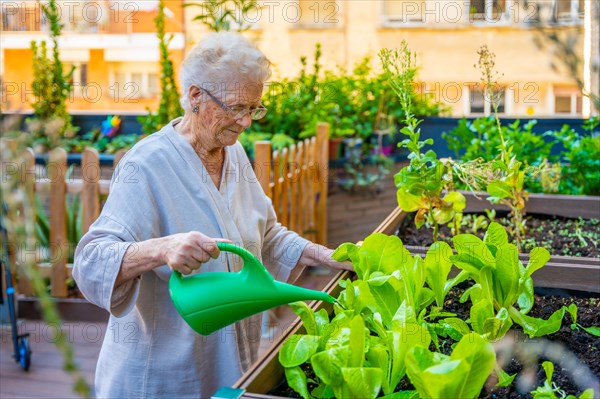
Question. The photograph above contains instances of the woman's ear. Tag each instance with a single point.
(194, 95)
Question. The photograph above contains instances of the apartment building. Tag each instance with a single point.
(446, 35)
(114, 46)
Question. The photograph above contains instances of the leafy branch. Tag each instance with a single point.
(225, 15)
(422, 183)
(505, 185)
(51, 87)
(169, 107)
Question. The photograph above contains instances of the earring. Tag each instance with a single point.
(196, 109)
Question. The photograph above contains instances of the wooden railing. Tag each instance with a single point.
(295, 179)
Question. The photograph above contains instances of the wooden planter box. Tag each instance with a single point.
(69, 309)
(581, 274)
(567, 272)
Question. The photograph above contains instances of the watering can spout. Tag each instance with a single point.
(211, 301)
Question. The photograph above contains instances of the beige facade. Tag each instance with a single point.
(445, 34)
(113, 45)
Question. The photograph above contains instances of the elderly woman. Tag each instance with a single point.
(172, 197)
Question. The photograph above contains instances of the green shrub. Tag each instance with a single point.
(51, 123)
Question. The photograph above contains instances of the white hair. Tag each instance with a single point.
(219, 60)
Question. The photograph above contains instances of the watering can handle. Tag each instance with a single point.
(252, 266)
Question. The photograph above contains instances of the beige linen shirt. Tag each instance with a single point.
(160, 188)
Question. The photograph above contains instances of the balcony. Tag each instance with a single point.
(91, 25)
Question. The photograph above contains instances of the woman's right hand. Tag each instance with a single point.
(185, 252)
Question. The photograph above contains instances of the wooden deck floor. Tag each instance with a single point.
(46, 378)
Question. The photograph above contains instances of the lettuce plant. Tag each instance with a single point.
(593, 330)
(550, 391)
(501, 282)
(385, 321)
(460, 375)
(379, 317)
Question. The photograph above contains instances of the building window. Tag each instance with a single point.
(557, 11)
(133, 85)
(153, 86)
(403, 11)
(137, 83)
(79, 78)
(480, 104)
(568, 10)
(23, 17)
(567, 101)
(489, 10)
(315, 13)
(83, 74)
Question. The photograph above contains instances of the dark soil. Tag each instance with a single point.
(559, 235)
(558, 348)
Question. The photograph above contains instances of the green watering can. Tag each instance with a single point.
(211, 301)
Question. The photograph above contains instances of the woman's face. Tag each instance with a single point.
(219, 110)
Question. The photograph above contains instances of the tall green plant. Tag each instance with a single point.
(425, 186)
(51, 87)
(225, 15)
(169, 107)
(507, 177)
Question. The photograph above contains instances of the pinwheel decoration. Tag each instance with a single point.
(110, 126)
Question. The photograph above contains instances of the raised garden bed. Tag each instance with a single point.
(69, 309)
(74, 307)
(569, 272)
(561, 274)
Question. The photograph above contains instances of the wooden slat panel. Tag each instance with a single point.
(322, 160)
(57, 167)
(23, 284)
(292, 178)
(262, 165)
(90, 194)
(118, 155)
(74, 186)
(285, 207)
(300, 189)
(571, 206)
(8, 170)
(310, 192)
(276, 193)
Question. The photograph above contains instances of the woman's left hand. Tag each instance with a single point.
(318, 255)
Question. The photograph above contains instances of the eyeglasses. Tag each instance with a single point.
(238, 112)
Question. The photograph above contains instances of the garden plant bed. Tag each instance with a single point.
(561, 236)
(267, 380)
(585, 347)
(567, 272)
(267, 374)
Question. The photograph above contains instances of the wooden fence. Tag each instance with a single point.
(295, 179)
(56, 185)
